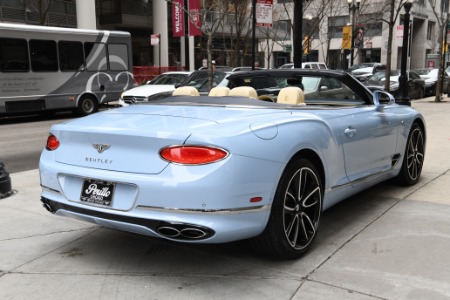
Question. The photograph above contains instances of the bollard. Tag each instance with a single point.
(5, 183)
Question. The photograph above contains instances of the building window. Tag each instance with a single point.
(336, 24)
(430, 30)
(12, 3)
(372, 24)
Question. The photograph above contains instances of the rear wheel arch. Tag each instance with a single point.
(314, 158)
(296, 209)
(422, 125)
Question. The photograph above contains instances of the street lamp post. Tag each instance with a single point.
(353, 8)
(403, 78)
(298, 29)
(444, 50)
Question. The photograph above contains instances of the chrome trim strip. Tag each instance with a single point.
(50, 189)
(240, 210)
(365, 178)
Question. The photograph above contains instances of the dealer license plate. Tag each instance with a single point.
(97, 192)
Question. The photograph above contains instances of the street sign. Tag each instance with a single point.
(264, 13)
(399, 34)
(154, 39)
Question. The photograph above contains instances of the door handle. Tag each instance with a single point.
(350, 131)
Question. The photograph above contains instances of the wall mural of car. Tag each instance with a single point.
(216, 169)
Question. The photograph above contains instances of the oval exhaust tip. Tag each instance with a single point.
(48, 207)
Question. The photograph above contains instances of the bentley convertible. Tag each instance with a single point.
(260, 158)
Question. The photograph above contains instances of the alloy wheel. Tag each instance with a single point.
(302, 208)
(415, 153)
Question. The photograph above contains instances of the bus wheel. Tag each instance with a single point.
(87, 106)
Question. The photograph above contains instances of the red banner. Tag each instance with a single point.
(194, 18)
(178, 18)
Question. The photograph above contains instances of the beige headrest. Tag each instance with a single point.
(219, 91)
(291, 95)
(186, 91)
(244, 91)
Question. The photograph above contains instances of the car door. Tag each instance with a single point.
(369, 140)
(415, 85)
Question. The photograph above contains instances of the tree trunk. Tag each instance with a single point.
(438, 97)
(209, 55)
(389, 47)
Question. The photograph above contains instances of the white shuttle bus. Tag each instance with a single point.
(50, 68)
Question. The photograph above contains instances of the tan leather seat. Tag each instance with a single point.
(219, 91)
(244, 91)
(291, 95)
(186, 91)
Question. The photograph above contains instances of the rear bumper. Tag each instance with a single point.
(213, 227)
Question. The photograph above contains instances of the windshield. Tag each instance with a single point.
(168, 79)
(310, 83)
(379, 76)
(199, 80)
(360, 66)
(423, 71)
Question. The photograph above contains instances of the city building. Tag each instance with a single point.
(323, 28)
(325, 25)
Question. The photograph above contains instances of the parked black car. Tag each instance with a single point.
(430, 76)
(416, 85)
(364, 71)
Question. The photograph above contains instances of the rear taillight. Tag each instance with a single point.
(193, 155)
(52, 143)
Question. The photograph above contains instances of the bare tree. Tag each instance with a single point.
(319, 11)
(239, 25)
(278, 34)
(389, 13)
(211, 15)
(41, 7)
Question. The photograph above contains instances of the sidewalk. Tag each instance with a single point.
(385, 243)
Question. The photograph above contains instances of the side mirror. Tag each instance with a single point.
(382, 99)
(177, 85)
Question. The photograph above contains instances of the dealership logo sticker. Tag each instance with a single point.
(101, 147)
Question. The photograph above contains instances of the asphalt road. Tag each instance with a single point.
(22, 139)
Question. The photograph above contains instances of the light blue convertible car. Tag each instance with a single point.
(260, 158)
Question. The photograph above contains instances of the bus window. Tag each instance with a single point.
(118, 57)
(70, 55)
(43, 55)
(95, 54)
(14, 55)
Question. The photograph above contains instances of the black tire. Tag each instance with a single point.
(87, 105)
(295, 215)
(413, 157)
